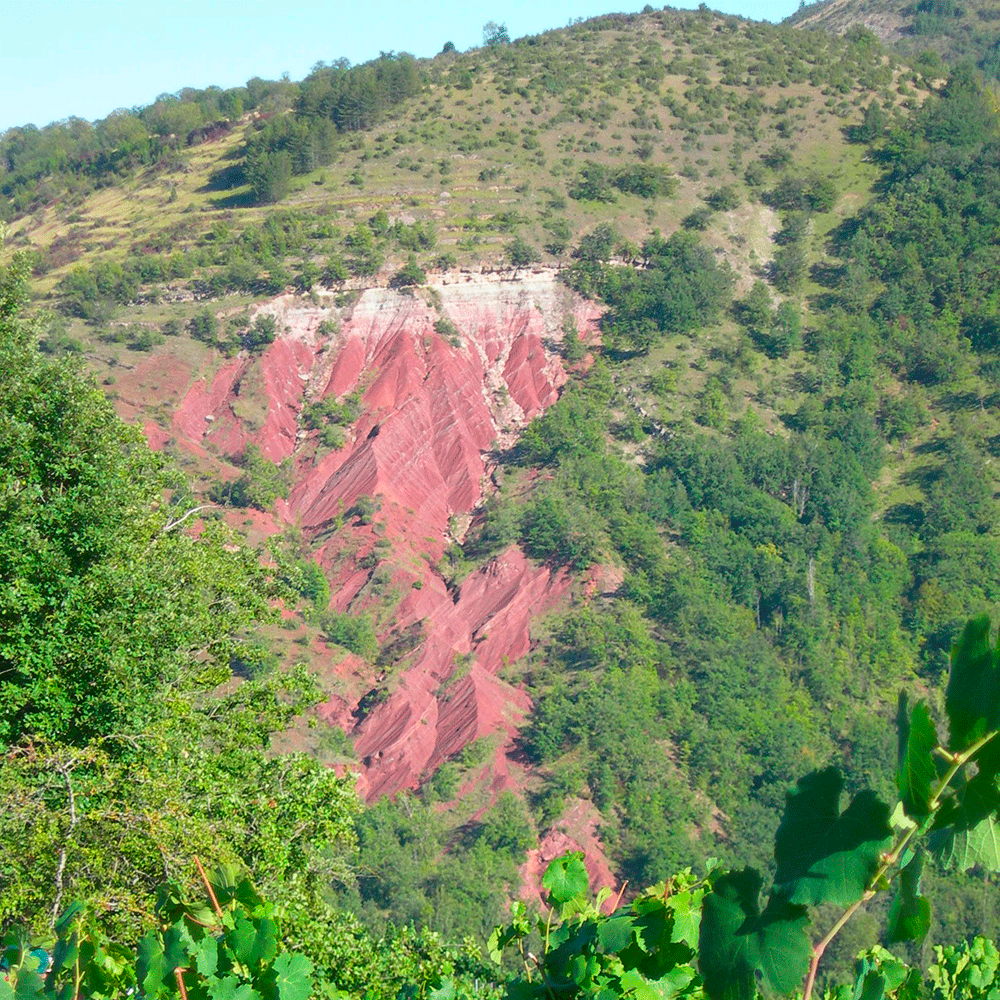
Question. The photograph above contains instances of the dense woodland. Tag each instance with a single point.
(797, 488)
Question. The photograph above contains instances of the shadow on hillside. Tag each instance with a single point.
(905, 515)
(242, 199)
(225, 179)
(954, 402)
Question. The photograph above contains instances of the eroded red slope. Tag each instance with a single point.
(434, 405)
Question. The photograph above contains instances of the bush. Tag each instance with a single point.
(520, 253)
(353, 632)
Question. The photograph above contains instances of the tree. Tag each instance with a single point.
(521, 253)
(118, 754)
(495, 35)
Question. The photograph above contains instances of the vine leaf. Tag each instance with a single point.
(964, 848)
(206, 955)
(966, 830)
(910, 914)
(566, 879)
(254, 943)
(972, 699)
(615, 933)
(290, 978)
(871, 987)
(916, 771)
(28, 986)
(230, 988)
(151, 965)
(737, 940)
(823, 855)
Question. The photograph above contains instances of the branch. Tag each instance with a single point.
(956, 762)
(181, 520)
(61, 867)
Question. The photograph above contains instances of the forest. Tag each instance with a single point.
(791, 474)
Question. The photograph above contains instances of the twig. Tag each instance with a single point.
(181, 520)
(208, 886)
(179, 973)
(63, 769)
(621, 892)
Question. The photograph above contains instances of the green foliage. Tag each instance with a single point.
(226, 946)
(823, 857)
(521, 253)
(105, 599)
(680, 288)
(353, 632)
(411, 273)
(495, 35)
(261, 483)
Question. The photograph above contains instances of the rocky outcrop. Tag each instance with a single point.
(446, 373)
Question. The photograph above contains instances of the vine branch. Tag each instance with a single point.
(956, 762)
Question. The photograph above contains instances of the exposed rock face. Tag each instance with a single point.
(435, 401)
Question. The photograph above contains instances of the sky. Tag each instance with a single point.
(85, 58)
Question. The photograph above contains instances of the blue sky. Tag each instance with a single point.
(88, 57)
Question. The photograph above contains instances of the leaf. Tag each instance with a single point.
(910, 914)
(178, 946)
(224, 880)
(29, 984)
(916, 771)
(566, 879)
(291, 978)
(445, 990)
(206, 956)
(965, 848)
(737, 940)
(821, 855)
(972, 699)
(231, 988)
(615, 933)
(67, 917)
(253, 943)
(151, 965)
(687, 919)
(966, 830)
(872, 987)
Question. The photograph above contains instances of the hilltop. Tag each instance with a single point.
(925, 32)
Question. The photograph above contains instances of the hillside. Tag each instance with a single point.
(631, 386)
(925, 32)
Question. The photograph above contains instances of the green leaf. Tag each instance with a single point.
(872, 987)
(821, 855)
(253, 943)
(224, 880)
(67, 917)
(615, 933)
(737, 940)
(151, 965)
(963, 848)
(916, 771)
(178, 946)
(231, 988)
(29, 984)
(687, 918)
(290, 978)
(566, 879)
(206, 956)
(910, 915)
(445, 990)
(972, 699)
